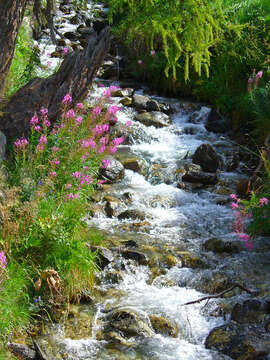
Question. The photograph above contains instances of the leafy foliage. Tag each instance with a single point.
(184, 30)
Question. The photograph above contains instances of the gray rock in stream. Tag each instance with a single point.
(23, 351)
(105, 256)
(139, 257)
(218, 123)
(153, 118)
(206, 156)
(220, 246)
(122, 324)
(142, 102)
(132, 214)
(114, 172)
(194, 174)
(240, 341)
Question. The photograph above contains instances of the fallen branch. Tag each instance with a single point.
(222, 293)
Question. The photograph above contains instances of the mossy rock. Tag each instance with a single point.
(189, 260)
(163, 326)
(171, 261)
(126, 101)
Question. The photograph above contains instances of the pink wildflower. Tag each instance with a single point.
(39, 147)
(105, 128)
(249, 245)
(53, 173)
(112, 149)
(65, 51)
(56, 161)
(118, 141)
(114, 88)
(259, 75)
(102, 149)
(233, 196)
(107, 93)
(103, 140)
(77, 174)
(44, 111)
(3, 260)
(234, 206)
(43, 139)
(76, 196)
(37, 128)
(68, 186)
(128, 123)
(140, 62)
(113, 109)
(97, 110)
(21, 143)
(101, 181)
(46, 123)
(263, 201)
(80, 106)
(34, 120)
(243, 237)
(101, 85)
(79, 120)
(70, 114)
(55, 149)
(152, 52)
(105, 163)
(67, 99)
(250, 80)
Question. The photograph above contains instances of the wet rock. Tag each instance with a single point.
(132, 214)
(153, 118)
(199, 115)
(139, 257)
(114, 276)
(217, 123)
(124, 323)
(100, 24)
(105, 256)
(189, 260)
(3, 142)
(216, 283)
(120, 130)
(61, 42)
(195, 175)
(71, 36)
(139, 101)
(126, 101)
(111, 206)
(239, 341)
(206, 156)
(233, 163)
(23, 351)
(114, 172)
(220, 246)
(171, 261)
(163, 326)
(130, 244)
(77, 19)
(132, 164)
(251, 311)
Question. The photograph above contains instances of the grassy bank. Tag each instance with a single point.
(46, 259)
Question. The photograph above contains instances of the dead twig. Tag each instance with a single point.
(222, 293)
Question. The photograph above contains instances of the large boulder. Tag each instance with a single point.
(163, 326)
(240, 341)
(220, 246)
(206, 156)
(194, 174)
(142, 102)
(121, 325)
(153, 118)
(113, 172)
(218, 123)
(251, 311)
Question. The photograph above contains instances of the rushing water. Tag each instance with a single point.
(179, 221)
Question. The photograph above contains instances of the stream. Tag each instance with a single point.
(159, 258)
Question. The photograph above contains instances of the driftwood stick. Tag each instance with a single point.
(222, 293)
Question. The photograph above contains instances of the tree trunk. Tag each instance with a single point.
(11, 16)
(74, 76)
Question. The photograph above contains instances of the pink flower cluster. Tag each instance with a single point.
(3, 260)
(21, 143)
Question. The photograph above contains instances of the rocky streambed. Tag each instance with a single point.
(165, 213)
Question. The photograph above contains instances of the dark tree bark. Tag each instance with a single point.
(74, 77)
(11, 16)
